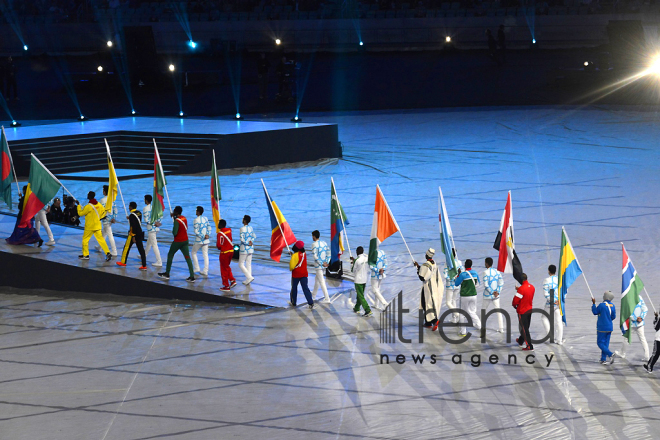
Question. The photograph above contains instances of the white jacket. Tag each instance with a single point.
(361, 269)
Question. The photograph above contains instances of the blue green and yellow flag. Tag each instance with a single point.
(569, 271)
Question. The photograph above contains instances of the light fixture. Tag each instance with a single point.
(15, 124)
(25, 47)
(171, 67)
(447, 39)
(296, 118)
(181, 114)
(109, 43)
(278, 41)
(192, 44)
(361, 43)
(133, 112)
(82, 118)
(586, 63)
(238, 116)
(654, 67)
(533, 40)
(100, 68)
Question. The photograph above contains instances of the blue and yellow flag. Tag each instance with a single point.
(569, 271)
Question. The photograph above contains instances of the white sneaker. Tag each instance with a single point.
(561, 342)
(325, 301)
(157, 264)
(204, 274)
(249, 281)
(50, 243)
(622, 356)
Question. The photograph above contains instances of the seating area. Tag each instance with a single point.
(137, 11)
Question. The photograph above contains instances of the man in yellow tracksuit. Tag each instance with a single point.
(93, 213)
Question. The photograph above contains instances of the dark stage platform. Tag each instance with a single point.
(58, 268)
(185, 145)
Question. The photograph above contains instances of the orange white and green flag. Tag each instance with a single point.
(383, 226)
(42, 187)
(215, 195)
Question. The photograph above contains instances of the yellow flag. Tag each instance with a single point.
(112, 185)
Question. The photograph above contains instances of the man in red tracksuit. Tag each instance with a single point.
(522, 302)
(226, 247)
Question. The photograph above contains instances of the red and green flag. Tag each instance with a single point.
(215, 194)
(6, 170)
(158, 202)
(42, 187)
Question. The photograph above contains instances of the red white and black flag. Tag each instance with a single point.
(508, 261)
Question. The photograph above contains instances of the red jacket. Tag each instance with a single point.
(180, 229)
(522, 300)
(224, 244)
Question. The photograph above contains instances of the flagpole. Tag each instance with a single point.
(113, 167)
(452, 251)
(342, 218)
(276, 219)
(160, 165)
(646, 291)
(216, 183)
(578, 262)
(397, 225)
(13, 168)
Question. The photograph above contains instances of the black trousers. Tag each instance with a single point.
(140, 246)
(524, 321)
(654, 355)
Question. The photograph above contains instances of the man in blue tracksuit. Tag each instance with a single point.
(606, 313)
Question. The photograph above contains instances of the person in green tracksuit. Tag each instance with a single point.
(180, 243)
(361, 273)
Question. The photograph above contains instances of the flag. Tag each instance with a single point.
(6, 171)
(281, 233)
(508, 261)
(337, 221)
(158, 203)
(113, 183)
(42, 187)
(569, 271)
(215, 195)
(446, 237)
(382, 227)
(631, 286)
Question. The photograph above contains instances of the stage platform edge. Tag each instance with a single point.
(25, 272)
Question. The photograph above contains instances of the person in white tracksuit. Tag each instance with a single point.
(452, 292)
(40, 219)
(493, 281)
(202, 231)
(152, 230)
(551, 292)
(106, 223)
(636, 328)
(377, 276)
(247, 238)
(321, 253)
(650, 363)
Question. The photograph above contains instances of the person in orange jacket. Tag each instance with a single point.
(226, 247)
(522, 302)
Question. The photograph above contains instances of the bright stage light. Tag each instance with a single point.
(447, 39)
(109, 43)
(15, 124)
(296, 118)
(654, 67)
(181, 113)
(586, 63)
(82, 118)
(238, 116)
(25, 47)
(133, 112)
(278, 41)
(192, 44)
(100, 68)
(171, 67)
(361, 43)
(533, 40)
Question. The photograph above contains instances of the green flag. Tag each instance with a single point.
(6, 170)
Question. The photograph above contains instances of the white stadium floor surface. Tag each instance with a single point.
(106, 367)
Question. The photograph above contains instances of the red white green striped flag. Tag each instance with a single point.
(6, 170)
(158, 202)
(215, 194)
(42, 187)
